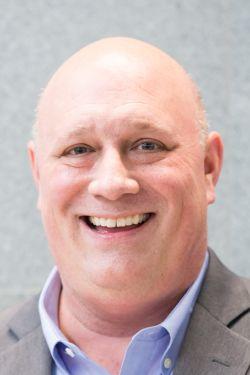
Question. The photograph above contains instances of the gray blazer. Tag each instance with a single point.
(216, 343)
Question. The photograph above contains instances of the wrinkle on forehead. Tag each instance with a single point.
(120, 62)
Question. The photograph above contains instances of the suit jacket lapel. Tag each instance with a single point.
(29, 353)
(29, 356)
(210, 347)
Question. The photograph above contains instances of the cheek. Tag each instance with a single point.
(181, 185)
(60, 187)
(167, 181)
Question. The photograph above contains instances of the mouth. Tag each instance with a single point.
(104, 225)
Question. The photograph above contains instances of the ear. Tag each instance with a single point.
(213, 164)
(32, 153)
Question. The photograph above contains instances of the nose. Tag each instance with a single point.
(111, 180)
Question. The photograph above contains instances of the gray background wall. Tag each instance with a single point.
(210, 38)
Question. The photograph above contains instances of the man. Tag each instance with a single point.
(125, 170)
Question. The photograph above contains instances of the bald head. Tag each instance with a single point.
(118, 59)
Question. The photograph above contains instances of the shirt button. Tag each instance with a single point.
(69, 352)
(167, 362)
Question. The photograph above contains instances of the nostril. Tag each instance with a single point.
(113, 188)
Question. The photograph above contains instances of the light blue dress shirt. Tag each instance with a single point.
(151, 351)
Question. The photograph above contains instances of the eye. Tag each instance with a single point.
(78, 150)
(150, 146)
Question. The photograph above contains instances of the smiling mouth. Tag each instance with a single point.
(121, 224)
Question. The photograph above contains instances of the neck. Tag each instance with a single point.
(121, 324)
(86, 326)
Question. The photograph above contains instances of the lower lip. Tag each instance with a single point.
(105, 232)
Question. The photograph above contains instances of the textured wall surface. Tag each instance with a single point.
(211, 40)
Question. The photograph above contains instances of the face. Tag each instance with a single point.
(124, 185)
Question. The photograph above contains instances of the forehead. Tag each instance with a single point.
(103, 95)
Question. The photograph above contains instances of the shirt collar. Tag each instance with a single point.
(175, 323)
(48, 310)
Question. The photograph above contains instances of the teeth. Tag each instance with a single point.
(102, 222)
(110, 223)
(135, 219)
(129, 220)
(120, 222)
(97, 221)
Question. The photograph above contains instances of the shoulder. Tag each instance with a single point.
(246, 281)
(17, 321)
(218, 335)
(226, 296)
(23, 349)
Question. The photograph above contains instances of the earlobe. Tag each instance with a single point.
(34, 167)
(212, 164)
